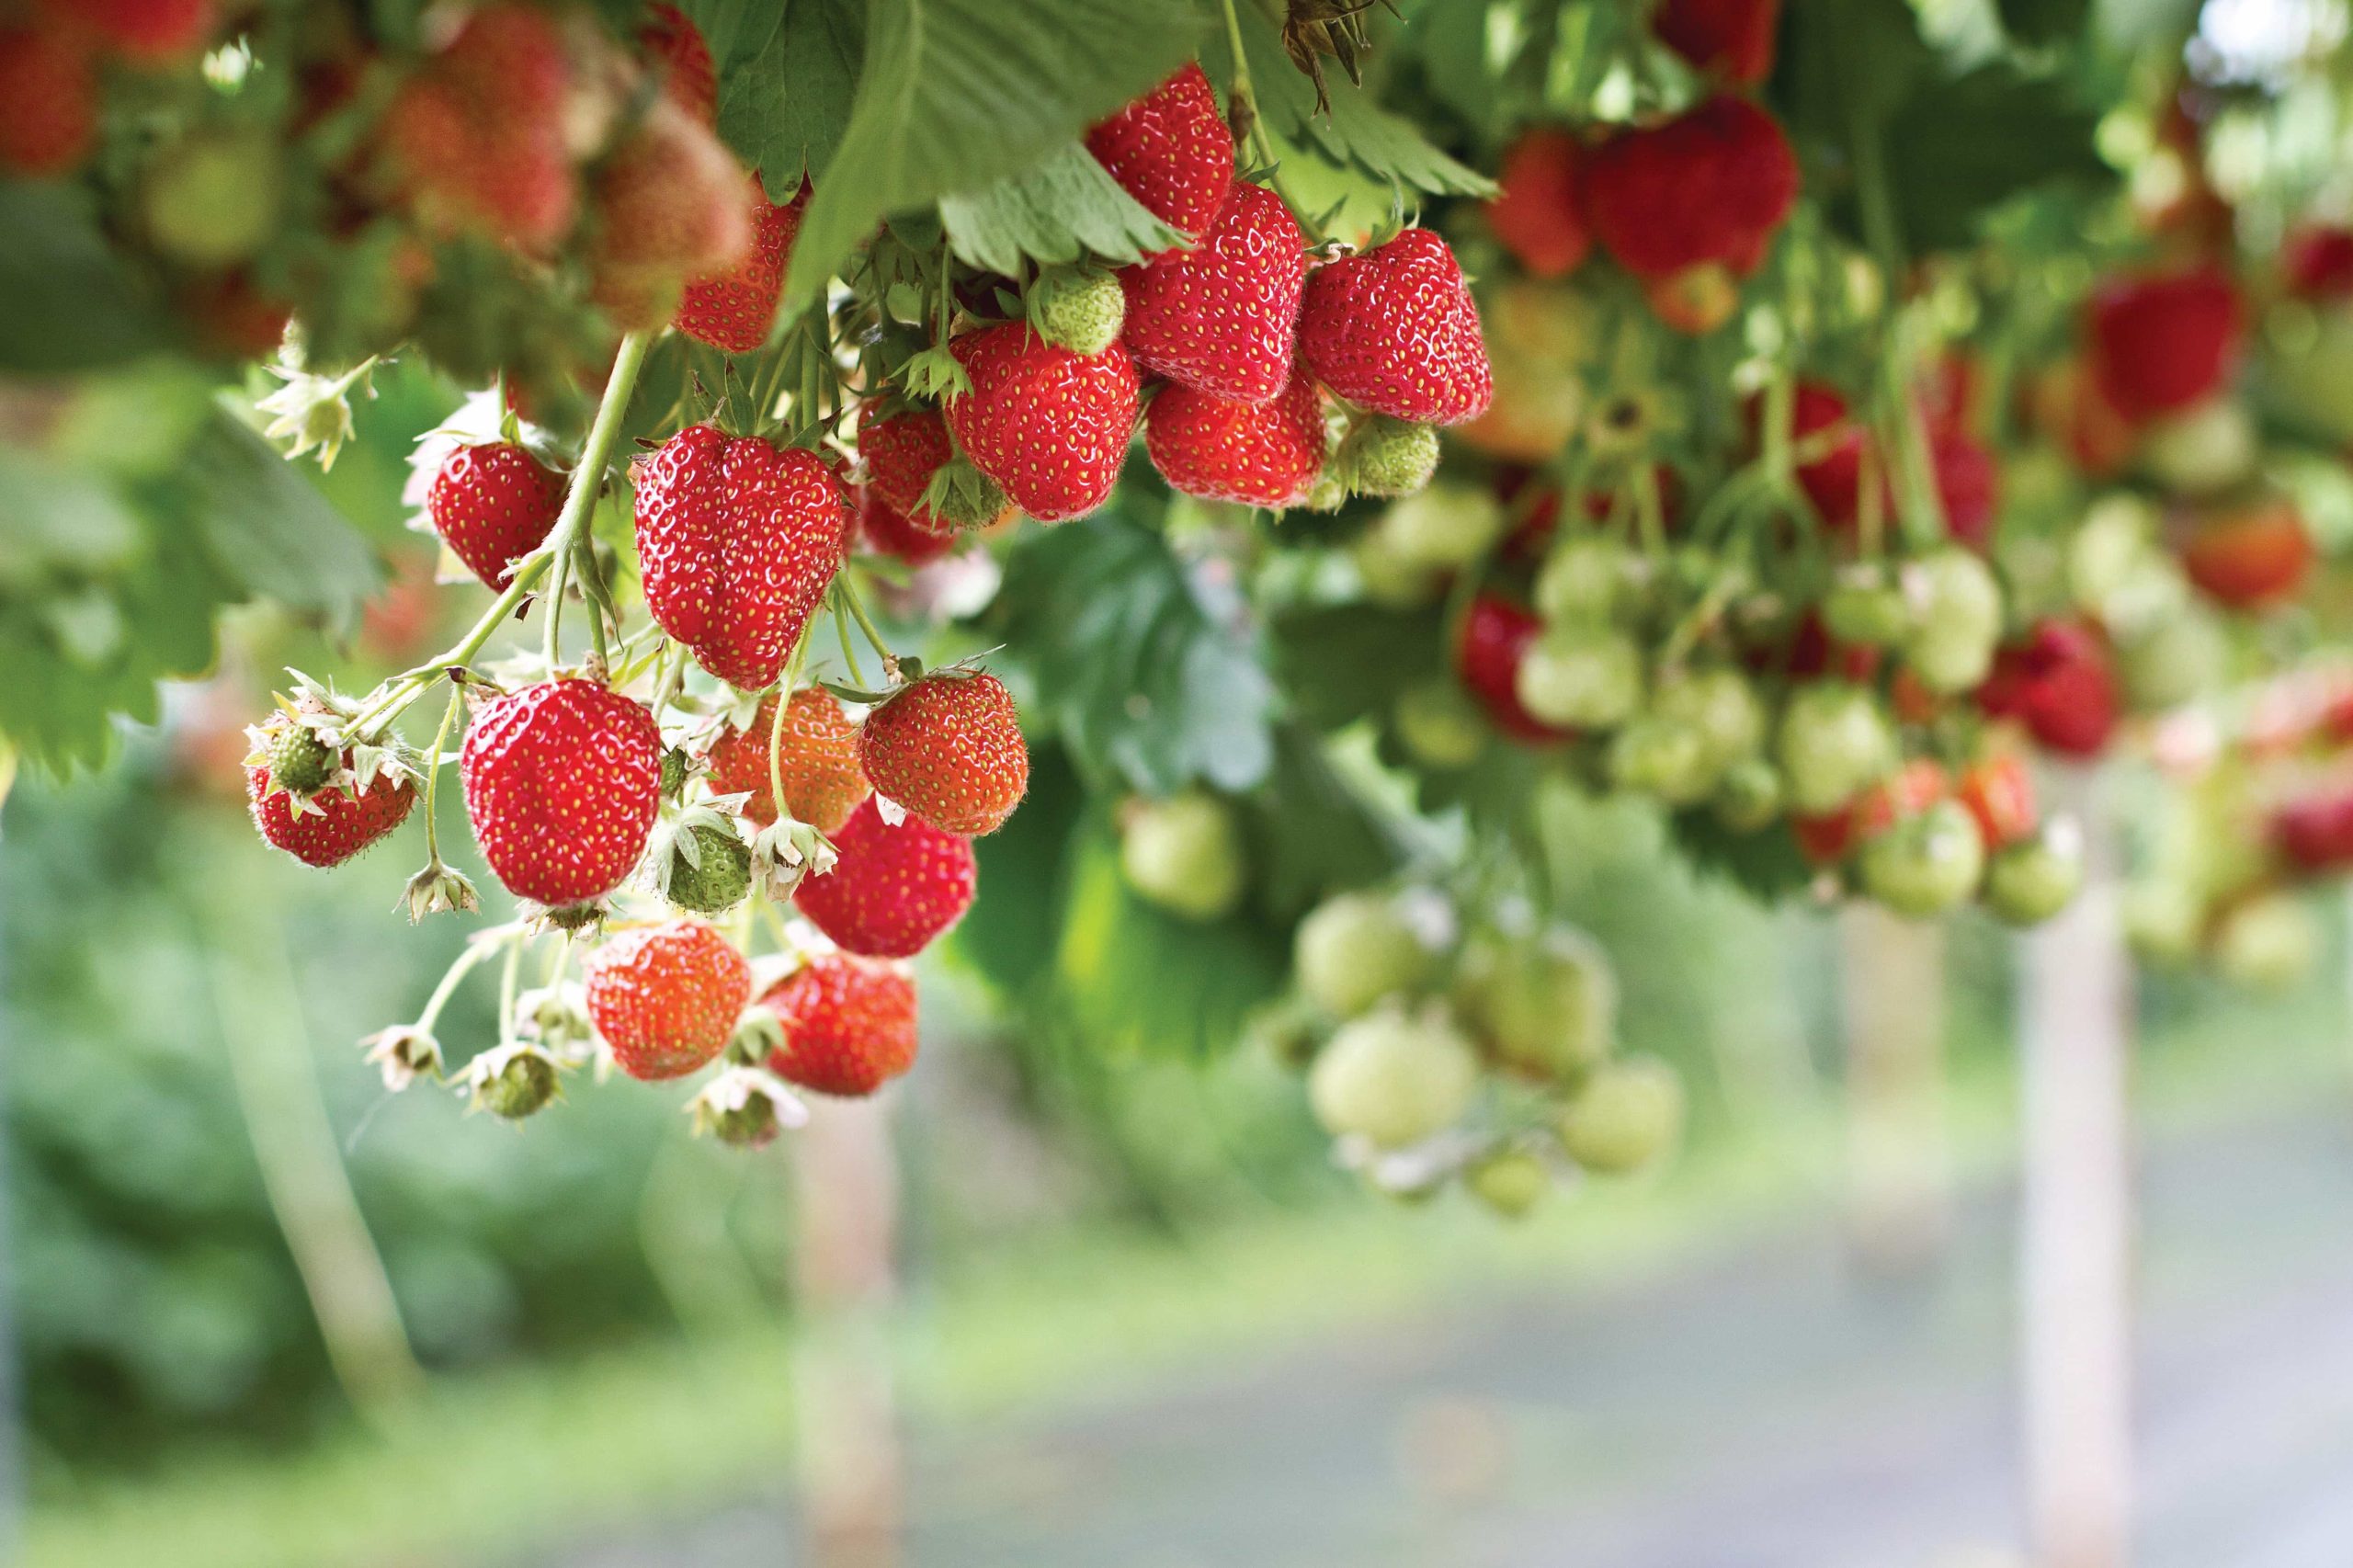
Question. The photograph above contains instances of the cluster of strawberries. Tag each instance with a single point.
(1687, 206)
(51, 57)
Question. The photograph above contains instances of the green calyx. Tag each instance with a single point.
(674, 770)
(1082, 312)
(300, 762)
(962, 496)
(710, 869)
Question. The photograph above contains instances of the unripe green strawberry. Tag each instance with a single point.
(1835, 743)
(1580, 677)
(1444, 525)
(1385, 457)
(1957, 608)
(521, 1086)
(2204, 452)
(1439, 725)
(1509, 1181)
(1184, 854)
(1627, 1114)
(1356, 949)
(1927, 863)
(2174, 659)
(1749, 795)
(676, 766)
(719, 875)
(300, 762)
(1586, 579)
(1546, 1008)
(2035, 879)
(211, 198)
(1388, 578)
(1720, 703)
(1867, 613)
(1394, 1078)
(2269, 943)
(2118, 533)
(1082, 312)
(1664, 757)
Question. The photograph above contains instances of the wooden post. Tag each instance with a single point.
(851, 1468)
(1892, 979)
(2075, 1230)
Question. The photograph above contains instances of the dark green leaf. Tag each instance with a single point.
(1064, 209)
(1767, 865)
(2039, 22)
(1962, 146)
(70, 306)
(1342, 662)
(268, 527)
(1312, 835)
(784, 97)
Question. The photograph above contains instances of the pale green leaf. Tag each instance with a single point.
(1065, 208)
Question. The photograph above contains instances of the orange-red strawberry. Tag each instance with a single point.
(948, 748)
(667, 997)
(562, 780)
(1049, 425)
(1171, 151)
(1537, 215)
(733, 310)
(1269, 455)
(885, 530)
(1732, 39)
(1224, 316)
(892, 889)
(900, 453)
(1999, 793)
(49, 92)
(1393, 330)
(2161, 342)
(2061, 684)
(738, 539)
(1828, 837)
(492, 505)
(331, 823)
(817, 758)
(142, 31)
(1706, 190)
(848, 1023)
(677, 48)
(670, 208)
(475, 138)
(2251, 557)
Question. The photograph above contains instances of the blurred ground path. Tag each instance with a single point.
(1760, 1410)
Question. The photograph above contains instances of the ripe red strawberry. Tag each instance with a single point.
(146, 31)
(1393, 330)
(1732, 39)
(1538, 214)
(562, 780)
(948, 748)
(1222, 450)
(817, 758)
(1706, 190)
(2061, 684)
(1999, 793)
(492, 505)
(2251, 557)
(738, 539)
(1833, 481)
(892, 889)
(1494, 639)
(1050, 425)
(476, 139)
(47, 101)
(900, 453)
(677, 48)
(849, 1024)
(667, 997)
(1969, 483)
(1825, 838)
(2315, 832)
(1171, 151)
(885, 530)
(735, 310)
(1223, 316)
(670, 208)
(2160, 343)
(2316, 263)
(332, 824)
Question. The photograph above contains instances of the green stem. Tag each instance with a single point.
(480, 947)
(509, 986)
(1244, 103)
(579, 502)
(433, 775)
(848, 591)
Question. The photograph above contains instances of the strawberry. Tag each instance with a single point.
(1703, 192)
(670, 208)
(1968, 484)
(2158, 342)
(148, 31)
(1393, 330)
(1491, 646)
(667, 997)
(1825, 838)
(883, 529)
(1171, 151)
(335, 818)
(1208, 446)
(1537, 215)
(849, 1024)
(900, 453)
(1731, 39)
(738, 539)
(948, 748)
(48, 94)
(674, 46)
(1834, 480)
(562, 780)
(2250, 557)
(1221, 317)
(493, 504)
(732, 311)
(892, 889)
(1999, 793)
(2061, 684)
(1050, 425)
(475, 140)
(2316, 263)
(2315, 832)
(816, 756)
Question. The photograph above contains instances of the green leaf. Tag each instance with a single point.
(69, 305)
(1128, 662)
(268, 527)
(1311, 834)
(1765, 865)
(1058, 211)
(1961, 146)
(784, 97)
(2042, 22)
(1342, 662)
(957, 94)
